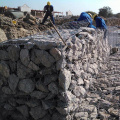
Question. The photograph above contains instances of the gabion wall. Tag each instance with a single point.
(41, 80)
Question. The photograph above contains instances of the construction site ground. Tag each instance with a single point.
(105, 91)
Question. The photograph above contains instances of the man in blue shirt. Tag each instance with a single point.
(87, 17)
(48, 9)
(100, 23)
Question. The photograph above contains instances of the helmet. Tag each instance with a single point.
(48, 3)
(90, 15)
(95, 15)
(5, 7)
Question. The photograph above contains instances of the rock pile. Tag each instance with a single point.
(30, 19)
(113, 22)
(40, 79)
(18, 30)
(104, 94)
(5, 21)
(2, 36)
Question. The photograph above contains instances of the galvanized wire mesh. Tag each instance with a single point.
(113, 36)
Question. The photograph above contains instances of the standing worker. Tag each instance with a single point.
(48, 9)
(100, 23)
(87, 17)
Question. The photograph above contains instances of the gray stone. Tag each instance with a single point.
(47, 117)
(6, 90)
(18, 116)
(40, 86)
(67, 97)
(33, 66)
(80, 81)
(13, 82)
(38, 94)
(58, 116)
(45, 58)
(117, 88)
(34, 57)
(48, 71)
(23, 110)
(84, 75)
(113, 111)
(87, 84)
(70, 55)
(26, 85)
(50, 78)
(94, 113)
(3, 55)
(8, 107)
(24, 57)
(64, 79)
(64, 111)
(23, 72)
(37, 112)
(81, 114)
(2, 36)
(1, 83)
(72, 85)
(13, 52)
(21, 101)
(49, 104)
(53, 88)
(89, 30)
(103, 115)
(91, 109)
(13, 66)
(55, 53)
(4, 69)
(50, 96)
(79, 90)
(33, 103)
(45, 45)
(61, 64)
(3, 80)
(12, 102)
(90, 70)
(29, 45)
(105, 104)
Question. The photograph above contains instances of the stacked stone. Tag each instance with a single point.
(113, 22)
(41, 80)
(83, 60)
(74, 25)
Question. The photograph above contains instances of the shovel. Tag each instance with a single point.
(57, 32)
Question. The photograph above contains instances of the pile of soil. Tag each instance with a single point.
(25, 26)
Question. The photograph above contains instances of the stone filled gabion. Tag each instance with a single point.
(48, 82)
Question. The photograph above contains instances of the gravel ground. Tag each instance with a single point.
(104, 94)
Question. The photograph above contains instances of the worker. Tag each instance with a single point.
(87, 17)
(100, 23)
(48, 9)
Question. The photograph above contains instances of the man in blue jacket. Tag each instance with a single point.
(48, 9)
(100, 23)
(87, 17)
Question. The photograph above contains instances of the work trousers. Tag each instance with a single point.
(46, 16)
(105, 33)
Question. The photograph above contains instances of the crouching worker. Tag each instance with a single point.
(100, 23)
(48, 9)
(87, 17)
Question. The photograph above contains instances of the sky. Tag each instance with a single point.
(75, 6)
